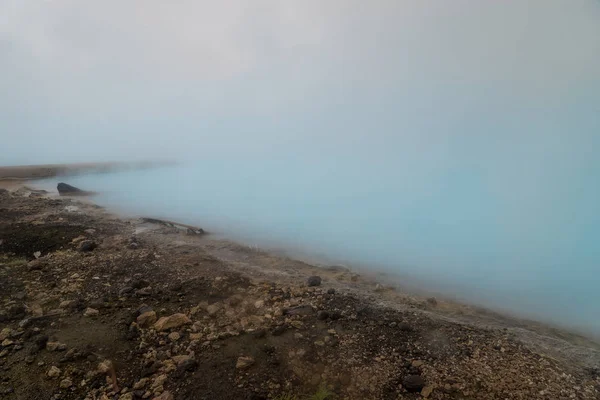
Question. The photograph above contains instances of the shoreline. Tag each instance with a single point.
(166, 256)
(464, 311)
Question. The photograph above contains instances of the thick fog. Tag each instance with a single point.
(451, 141)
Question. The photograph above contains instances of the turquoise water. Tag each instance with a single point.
(456, 229)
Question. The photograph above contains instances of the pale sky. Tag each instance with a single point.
(135, 77)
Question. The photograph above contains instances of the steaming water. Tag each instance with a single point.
(450, 229)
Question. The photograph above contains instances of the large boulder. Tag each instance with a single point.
(64, 189)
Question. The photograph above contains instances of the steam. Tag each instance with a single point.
(461, 135)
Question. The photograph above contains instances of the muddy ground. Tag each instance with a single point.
(97, 307)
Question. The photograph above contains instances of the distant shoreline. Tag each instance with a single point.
(32, 172)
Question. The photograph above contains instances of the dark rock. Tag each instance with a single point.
(125, 291)
(66, 189)
(144, 308)
(413, 383)
(335, 315)
(176, 287)
(314, 280)
(134, 245)
(432, 301)
(96, 303)
(147, 291)
(299, 310)
(322, 315)
(16, 311)
(278, 330)
(331, 291)
(151, 369)
(87, 245)
(40, 342)
(139, 283)
(405, 327)
(132, 333)
(189, 365)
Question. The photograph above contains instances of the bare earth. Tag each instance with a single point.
(125, 309)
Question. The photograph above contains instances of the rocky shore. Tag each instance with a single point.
(98, 307)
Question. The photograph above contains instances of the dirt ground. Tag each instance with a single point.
(97, 307)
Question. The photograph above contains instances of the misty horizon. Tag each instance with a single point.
(454, 141)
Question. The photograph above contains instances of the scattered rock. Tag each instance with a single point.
(244, 362)
(140, 384)
(55, 346)
(314, 280)
(172, 321)
(5, 333)
(66, 383)
(299, 310)
(322, 315)
(164, 396)
(146, 319)
(174, 336)
(213, 309)
(426, 391)
(53, 372)
(147, 291)
(86, 245)
(413, 383)
(91, 312)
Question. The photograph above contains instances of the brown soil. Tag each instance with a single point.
(348, 337)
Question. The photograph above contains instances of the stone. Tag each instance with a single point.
(259, 303)
(174, 336)
(4, 333)
(322, 315)
(165, 396)
(172, 321)
(7, 342)
(126, 396)
(432, 301)
(146, 319)
(300, 310)
(426, 391)
(213, 309)
(55, 346)
(244, 362)
(314, 280)
(331, 291)
(147, 291)
(91, 312)
(53, 372)
(65, 304)
(140, 384)
(66, 383)
(189, 365)
(66, 189)
(159, 381)
(87, 245)
(297, 324)
(125, 291)
(413, 383)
